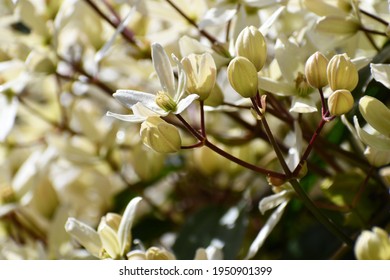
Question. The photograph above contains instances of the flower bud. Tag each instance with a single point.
(315, 70)
(154, 253)
(340, 102)
(251, 44)
(242, 76)
(165, 102)
(373, 245)
(376, 114)
(342, 73)
(201, 74)
(160, 136)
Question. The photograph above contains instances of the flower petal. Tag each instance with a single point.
(303, 105)
(275, 87)
(131, 97)
(7, 114)
(85, 235)
(381, 73)
(110, 240)
(185, 102)
(270, 202)
(376, 141)
(126, 118)
(266, 230)
(124, 231)
(163, 68)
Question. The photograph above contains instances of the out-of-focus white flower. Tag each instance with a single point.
(293, 82)
(381, 73)
(373, 245)
(113, 237)
(279, 200)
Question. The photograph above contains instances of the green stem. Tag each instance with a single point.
(271, 139)
(330, 225)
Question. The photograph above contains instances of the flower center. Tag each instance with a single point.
(165, 101)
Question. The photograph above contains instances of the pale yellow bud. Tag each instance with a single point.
(160, 136)
(373, 245)
(251, 44)
(201, 74)
(342, 73)
(242, 76)
(155, 253)
(340, 102)
(165, 102)
(315, 70)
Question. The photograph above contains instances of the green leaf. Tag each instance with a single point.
(212, 223)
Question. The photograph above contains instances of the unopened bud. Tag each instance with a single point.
(160, 136)
(251, 44)
(155, 253)
(315, 70)
(201, 74)
(373, 245)
(165, 102)
(242, 76)
(342, 73)
(340, 102)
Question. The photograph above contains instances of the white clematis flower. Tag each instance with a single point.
(171, 98)
(113, 237)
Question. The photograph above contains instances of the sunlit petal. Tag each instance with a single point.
(124, 231)
(85, 235)
(185, 102)
(163, 68)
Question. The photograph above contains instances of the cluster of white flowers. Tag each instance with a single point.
(218, 100)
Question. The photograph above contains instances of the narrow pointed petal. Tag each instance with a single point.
(280, 88)
(182, 80)
(302, 105)
(274, 200)
(85, 235)
(110, 241)
(140, 110)
(124, 231)
(271, 20)
(126, 118)
(185, 102)
(163, 68)
(131, 97)
(381, 73)
(266, 230)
